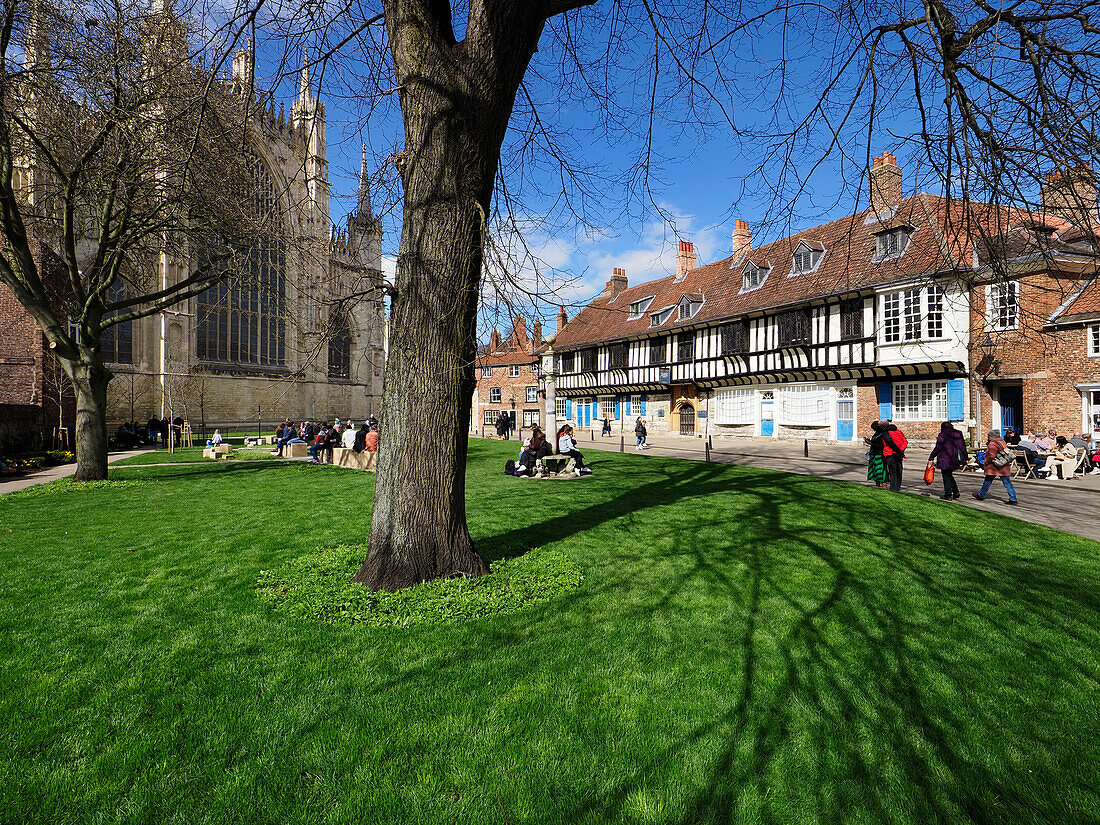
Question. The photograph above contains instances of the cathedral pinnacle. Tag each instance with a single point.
(364, 209)
(305, 94)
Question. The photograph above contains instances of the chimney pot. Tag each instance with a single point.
(884, 184)
(742, 238)
(686, 259)
(1071, 195)
(616, 285)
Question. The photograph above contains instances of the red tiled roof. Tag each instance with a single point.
(1086, 303)
(946, 236)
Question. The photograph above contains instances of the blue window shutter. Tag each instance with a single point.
(595, 408)
(616, 407)
(643, 404)
(568, 408)
(886, 401)
(955, 399)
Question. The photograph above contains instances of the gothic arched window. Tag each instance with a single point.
(117, 341)
(339, 347)
(241, 320)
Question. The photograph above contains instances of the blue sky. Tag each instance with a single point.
(705, 175)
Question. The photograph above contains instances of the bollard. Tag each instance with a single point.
(591, 435)
(622, 443)
(707, 450)
(710, 441)
(805, 448)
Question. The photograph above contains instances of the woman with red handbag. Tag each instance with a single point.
(950, 455)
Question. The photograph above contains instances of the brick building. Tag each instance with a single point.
(36, 401)
(507, 372)
(919, 309)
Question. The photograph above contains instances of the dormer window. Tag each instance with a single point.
(806, 257)
(660, 316)
(892, 243)
(638, 308)
(752, 276)
(688, 306)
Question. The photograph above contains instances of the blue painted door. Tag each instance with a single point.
(1012, 404)
(767, 418)
(845, 416)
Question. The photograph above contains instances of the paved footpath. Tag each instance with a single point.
(1069, 506)
(11, 484)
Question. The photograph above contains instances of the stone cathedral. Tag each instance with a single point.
(302, 333)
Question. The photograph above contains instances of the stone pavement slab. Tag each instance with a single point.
(1069, 506)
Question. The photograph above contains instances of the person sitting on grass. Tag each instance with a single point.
(567, 447)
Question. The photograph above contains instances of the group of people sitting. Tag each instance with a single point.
(133, 434)
(1054, 454)
(322, 438)
(536, 448)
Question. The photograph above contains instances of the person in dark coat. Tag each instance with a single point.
(950, 455)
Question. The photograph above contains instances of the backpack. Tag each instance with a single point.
(509, 467)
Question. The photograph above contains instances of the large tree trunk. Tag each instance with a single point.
(418, 531)
(456, 100)
(90, 385)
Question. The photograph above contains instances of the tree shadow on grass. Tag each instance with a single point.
(925, 675)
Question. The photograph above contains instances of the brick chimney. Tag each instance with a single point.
(494, 340)
(742, 238)
(519, 332)
(885, 184)
(1070, 194)
(685, 259)
(616, 285)
(563, 319)
(536, 339)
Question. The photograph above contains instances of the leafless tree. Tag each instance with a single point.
(121, 165)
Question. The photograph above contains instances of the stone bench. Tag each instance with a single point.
(366, 460)
(221, 451)
(298, 450)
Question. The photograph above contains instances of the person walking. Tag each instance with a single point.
(996, 451)
(950, 455)
(876, 463)
(606, 431)
(640, 434)
(894, 443)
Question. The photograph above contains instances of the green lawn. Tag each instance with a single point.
(185, 455)
(746, 646)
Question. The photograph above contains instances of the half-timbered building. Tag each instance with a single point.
(882, 313)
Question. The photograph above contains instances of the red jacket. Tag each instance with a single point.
(899, 439)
